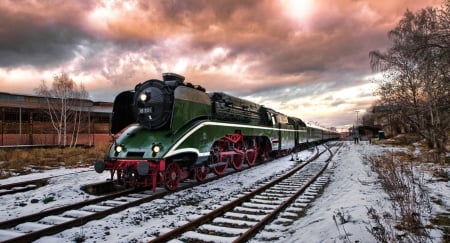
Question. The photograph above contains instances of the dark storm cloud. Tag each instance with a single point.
(248, 29)
(42, 47)
(258, 49)
(252, 30)
(257, 30)
(40, 34)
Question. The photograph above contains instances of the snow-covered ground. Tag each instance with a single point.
(353, 187)
(64, 188)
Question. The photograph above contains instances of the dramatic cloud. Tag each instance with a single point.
(307, 58)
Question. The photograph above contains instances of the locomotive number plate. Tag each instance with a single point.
(145, 110)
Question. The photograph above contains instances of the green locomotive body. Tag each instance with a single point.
(167, 131)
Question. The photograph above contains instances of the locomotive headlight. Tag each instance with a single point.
(143, 97)
(156, 148)
(118, 148)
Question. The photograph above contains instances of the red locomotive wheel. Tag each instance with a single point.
(237, 161)
(223, 161)
(201, 173)
(172, 176)
(251, 155)
(265, 153)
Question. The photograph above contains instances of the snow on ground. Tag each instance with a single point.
(64, 188)
(144, 222)
(353, 187)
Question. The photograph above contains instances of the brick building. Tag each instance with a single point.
(24, 120)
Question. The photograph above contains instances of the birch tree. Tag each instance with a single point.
(65, 102)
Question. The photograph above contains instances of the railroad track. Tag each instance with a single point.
(22, 186)
(28, 185)
(50, 222)
(243, 217)
(34, 226)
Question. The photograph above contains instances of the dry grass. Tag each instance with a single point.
(410, 203)
(444, 221)
(23, 161)
(411, 210)
(401, 140)
(409, 140)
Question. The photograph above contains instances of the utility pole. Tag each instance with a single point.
(357, 117)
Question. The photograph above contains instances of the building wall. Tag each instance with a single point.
(24, 121)
(51, 139)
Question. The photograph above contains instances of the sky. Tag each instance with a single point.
(304, 58)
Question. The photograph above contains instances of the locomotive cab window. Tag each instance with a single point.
(274, 120)
(271, 119)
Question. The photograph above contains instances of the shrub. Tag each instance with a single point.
(409, 200)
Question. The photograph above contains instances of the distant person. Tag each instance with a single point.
(356, 136)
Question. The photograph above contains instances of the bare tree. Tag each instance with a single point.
(78, 113)
(65, 102)
(368, 119)
(416, 73)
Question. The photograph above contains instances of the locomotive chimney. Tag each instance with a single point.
(173, 77)
(172, 80)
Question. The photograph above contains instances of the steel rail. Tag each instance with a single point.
(53, 229)
(253, 230)
(22, 186)
(227, 207)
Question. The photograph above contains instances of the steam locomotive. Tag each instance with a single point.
(165, 131)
